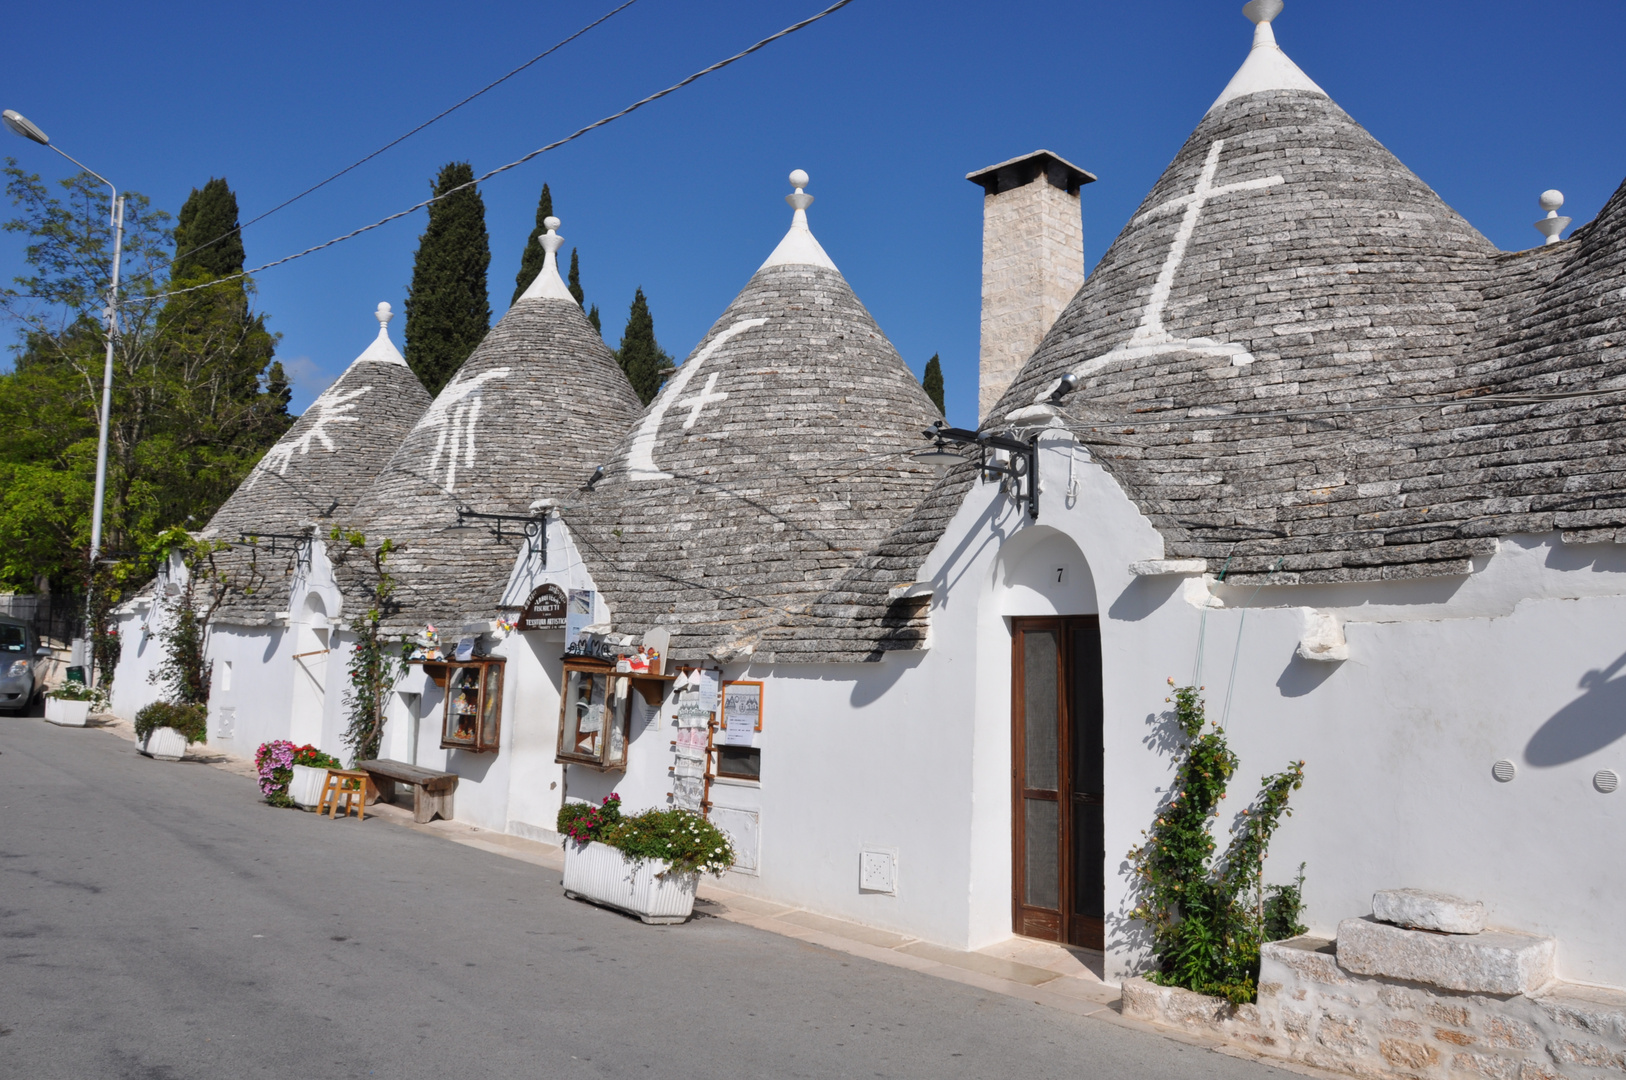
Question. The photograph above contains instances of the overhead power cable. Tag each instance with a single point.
(718, 66)
(395, 142)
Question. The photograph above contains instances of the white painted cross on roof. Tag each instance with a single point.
(1150, 337)
(701, 400)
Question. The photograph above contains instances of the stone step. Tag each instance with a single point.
(1492, 962)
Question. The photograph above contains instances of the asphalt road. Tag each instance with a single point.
(157, 921)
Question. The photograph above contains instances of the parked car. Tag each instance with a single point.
(22, 665)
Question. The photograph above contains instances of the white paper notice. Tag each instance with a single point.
(710, 681)
(742, 711)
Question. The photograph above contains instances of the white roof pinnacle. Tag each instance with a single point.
(383, 350)
(548, 284)
(1552, 200)
(1267, 67)
(799, 247)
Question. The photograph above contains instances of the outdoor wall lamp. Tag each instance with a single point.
(1021, 468)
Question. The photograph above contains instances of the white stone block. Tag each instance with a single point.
(1492, 962)
(1421, 910)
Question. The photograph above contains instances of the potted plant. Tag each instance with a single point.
(70, 704)
(648, 865)
(292, 775)
(165, 729)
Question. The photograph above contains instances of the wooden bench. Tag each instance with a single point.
(431, 791)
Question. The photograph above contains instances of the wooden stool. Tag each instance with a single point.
(352, 785)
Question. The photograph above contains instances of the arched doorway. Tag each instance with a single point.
(1058, 828)
(310, 671)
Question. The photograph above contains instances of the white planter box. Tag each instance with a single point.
(600, 873)
(164, 744)
(305, 788)
(67, 713)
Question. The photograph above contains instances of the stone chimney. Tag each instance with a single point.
(1032, 260)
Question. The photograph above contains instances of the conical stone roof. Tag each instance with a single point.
(1285, 261)
(776, 456)
(319, 470)
(538, 404)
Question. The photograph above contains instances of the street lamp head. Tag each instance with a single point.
(25, 127)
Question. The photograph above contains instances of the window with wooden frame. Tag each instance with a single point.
(594, 714)
(471, 715)
(738, 756)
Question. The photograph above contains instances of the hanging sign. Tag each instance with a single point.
(742, 712)
(544, 609)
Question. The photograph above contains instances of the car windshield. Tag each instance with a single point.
(13, 638)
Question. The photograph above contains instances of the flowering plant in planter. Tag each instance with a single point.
(78, 691)
(191, 721)
(682, 839)
(275, 761)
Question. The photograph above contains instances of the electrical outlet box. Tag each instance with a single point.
(878, 870)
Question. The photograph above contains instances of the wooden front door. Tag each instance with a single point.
(1059, 852)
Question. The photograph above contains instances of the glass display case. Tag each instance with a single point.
(472, 713)
(594, 716)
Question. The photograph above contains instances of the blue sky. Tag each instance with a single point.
(887, 104)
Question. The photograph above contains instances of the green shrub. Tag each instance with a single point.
(1209, 917)
(192, 721)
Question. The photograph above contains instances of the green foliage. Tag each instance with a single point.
(190, 720)
(593, 317)
(1283, 906)
(447, 309)
(574, 282)
(682, 839)
(206, 236)
(932, 382)
(583, 822)
(644, 361)
(206, 582)
(197, 398)
(533, 257)
(376, 663)
(1208, 919)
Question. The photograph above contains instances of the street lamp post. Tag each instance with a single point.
(28, 130)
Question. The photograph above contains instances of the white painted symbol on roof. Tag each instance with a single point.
(325, 411)
(701, 400)
(1150, 338)
(641, 455)
(456, 411)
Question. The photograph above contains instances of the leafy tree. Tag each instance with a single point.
(932, 382)
(447, 309)
(206, 234)
(640, 356)
(197, 397)
(531, 260)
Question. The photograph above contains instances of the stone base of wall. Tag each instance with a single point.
(1310, 1010)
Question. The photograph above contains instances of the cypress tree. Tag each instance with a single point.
(209, 213)
(639, 355)
(932, 383)
(530, 262)
(592, 317)
(447, 309)
(575, 282)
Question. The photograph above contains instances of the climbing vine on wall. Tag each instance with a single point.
(375, 662)
(205, 582)
(1209, 917)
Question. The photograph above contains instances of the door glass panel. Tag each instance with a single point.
(1042, 831)
(1039, 708)
(1089, 859)
(1086, 711)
